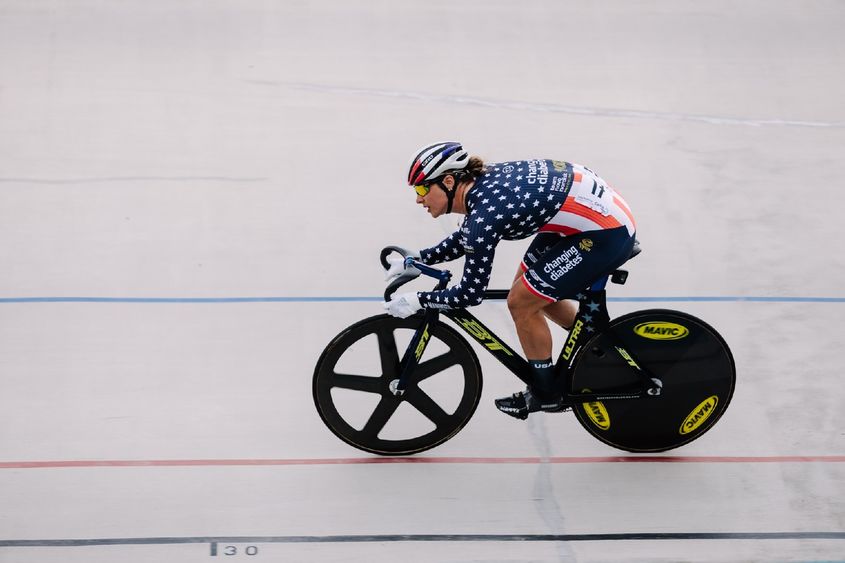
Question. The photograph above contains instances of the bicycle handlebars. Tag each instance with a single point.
(413, 269)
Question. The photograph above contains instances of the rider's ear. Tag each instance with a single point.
(449, 182)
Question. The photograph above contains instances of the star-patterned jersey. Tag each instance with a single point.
(511, 201)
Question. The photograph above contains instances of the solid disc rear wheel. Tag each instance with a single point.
(691, 359)
(353, 378)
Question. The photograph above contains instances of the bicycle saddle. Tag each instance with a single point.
(635, 249)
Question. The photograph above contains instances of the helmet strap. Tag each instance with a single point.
(450, 194)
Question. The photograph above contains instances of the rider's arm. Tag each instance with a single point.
(482, 236)
(469, 291)
(448, 249)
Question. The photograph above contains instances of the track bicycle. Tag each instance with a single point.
(648, 381)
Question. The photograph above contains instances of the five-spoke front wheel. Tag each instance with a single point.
(357, 371)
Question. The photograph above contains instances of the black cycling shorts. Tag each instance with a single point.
(559, 267)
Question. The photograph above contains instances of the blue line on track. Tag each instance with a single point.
(329, 299)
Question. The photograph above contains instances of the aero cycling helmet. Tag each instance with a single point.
(433, 161)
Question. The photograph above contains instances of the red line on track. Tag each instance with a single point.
(432, 460)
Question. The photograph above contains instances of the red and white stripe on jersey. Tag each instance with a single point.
(534, 290)
(577, 215)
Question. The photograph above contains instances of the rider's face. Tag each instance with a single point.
(436, 201)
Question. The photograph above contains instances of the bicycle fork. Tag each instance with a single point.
(414, 352)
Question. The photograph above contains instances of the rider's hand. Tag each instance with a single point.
(398, 267)
(403, 305)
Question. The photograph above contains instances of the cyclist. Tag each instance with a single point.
(583, 229)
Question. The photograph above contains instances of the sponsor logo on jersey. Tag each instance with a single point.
(661, 330)
(586, 245)
(563, 181)
(699, 414)
(567, 260)
(464, 240)
(538, 172)
(538, 280)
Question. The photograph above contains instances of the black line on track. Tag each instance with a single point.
(393, 538)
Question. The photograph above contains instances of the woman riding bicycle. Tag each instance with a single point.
(583, 229)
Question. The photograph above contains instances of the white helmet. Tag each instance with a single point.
(434, 161)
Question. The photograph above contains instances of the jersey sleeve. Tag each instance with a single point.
(448, 249)
(482, 233)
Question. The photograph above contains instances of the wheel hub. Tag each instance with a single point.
(394, 388)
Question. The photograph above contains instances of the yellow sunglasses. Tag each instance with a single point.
(422, 190)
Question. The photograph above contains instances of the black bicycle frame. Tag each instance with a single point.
(592, 317)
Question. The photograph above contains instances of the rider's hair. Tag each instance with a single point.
(474, 169)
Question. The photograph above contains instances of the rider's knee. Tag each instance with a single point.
(513, 307)
(513, 303)
(520, 305)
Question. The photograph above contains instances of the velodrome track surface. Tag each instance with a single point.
(192, 200)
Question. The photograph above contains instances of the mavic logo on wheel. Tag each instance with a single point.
(701, 413)
(661, 330)
(482, 335)
(597, 413)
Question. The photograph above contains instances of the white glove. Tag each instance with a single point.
(397, 266)
(404, 305)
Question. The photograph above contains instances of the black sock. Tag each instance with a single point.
(544, 374)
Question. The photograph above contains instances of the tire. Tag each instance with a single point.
(447, 361)
(691, 359)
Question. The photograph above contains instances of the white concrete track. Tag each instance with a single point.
(193, 196)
